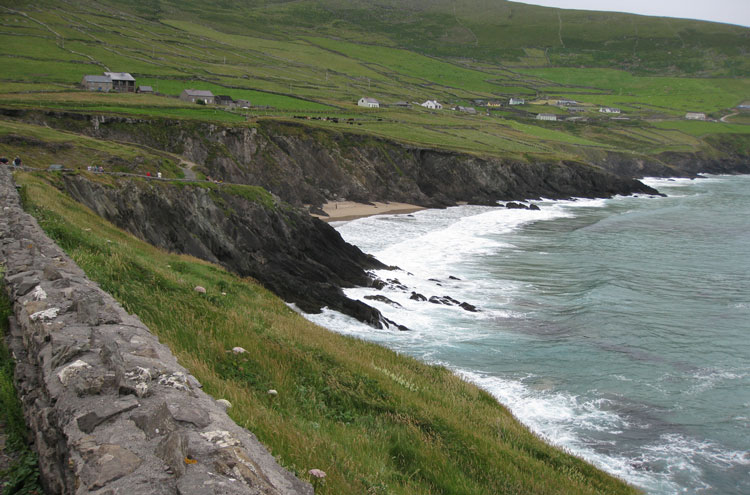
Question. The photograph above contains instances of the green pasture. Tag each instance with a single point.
(672, 94)
(283, 102)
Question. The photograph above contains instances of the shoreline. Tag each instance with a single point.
(344, 211)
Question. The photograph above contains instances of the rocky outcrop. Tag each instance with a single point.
(307, 165)
(300, 258)
(111, 410)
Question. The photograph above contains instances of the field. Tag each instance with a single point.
(321, 63)
(374, 421)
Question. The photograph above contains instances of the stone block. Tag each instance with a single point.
(173, 450)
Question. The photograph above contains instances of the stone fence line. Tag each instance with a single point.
(111, 410)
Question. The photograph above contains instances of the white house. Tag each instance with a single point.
(695, 116)
(609, 110)
(368, 102)
(516, 101)
(546, 116)
(432, 105)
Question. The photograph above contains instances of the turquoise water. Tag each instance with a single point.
(619, 329)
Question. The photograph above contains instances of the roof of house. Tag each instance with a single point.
(367, 99)
(120, 76)
(97, 79)
(199, 92)
(224, 97)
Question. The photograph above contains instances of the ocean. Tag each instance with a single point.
(617, 328)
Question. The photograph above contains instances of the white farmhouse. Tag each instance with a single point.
(609, 110)
(516, 101)
(695, 116)
(546, 116)
(368, 102)
(432, 105)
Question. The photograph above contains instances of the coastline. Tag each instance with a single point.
(343, 211)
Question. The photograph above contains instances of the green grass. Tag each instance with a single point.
(41, 147)
(374, 421)
(672, 94)
(699, 128)
(319, 58)
(257, 98)
(22, 476)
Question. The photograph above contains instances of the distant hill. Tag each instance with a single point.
(486, 30)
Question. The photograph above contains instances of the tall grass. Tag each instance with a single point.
(376, 422)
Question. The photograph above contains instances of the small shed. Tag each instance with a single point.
(546, 116)
(368, 102)
(144, 89)
(195, 95)
(695, 116)
(402, 104)
(516, 101)
(242, 103)
(97, 83)
(122, 82)
(225, 100)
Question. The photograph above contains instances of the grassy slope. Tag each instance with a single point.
(322, 62)
(375, 421)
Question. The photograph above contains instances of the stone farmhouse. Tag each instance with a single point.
(97, 83)
(195, 95)
(122, 82)
(516, 101)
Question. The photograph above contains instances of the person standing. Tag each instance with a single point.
(17, 161)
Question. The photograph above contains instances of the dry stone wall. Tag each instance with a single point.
(111, 410)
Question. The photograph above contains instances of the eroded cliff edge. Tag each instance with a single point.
(245, 229)
(306, 165)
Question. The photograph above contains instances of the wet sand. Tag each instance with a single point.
(340, 211)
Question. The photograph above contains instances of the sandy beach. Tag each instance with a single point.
(339, 211)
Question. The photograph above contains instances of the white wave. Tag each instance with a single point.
(709, 378)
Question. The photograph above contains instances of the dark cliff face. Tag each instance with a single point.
(300, 258)
(304, 165)
(307, 165)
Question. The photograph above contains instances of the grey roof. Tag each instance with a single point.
(145, 88)
(97, 79)
(119, 76)
(199, 92)
(370, 100)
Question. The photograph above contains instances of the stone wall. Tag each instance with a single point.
(111, 410)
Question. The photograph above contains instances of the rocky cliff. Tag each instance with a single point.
(300, 258)
(308, 165)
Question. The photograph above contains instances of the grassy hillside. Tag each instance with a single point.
(375, 421)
